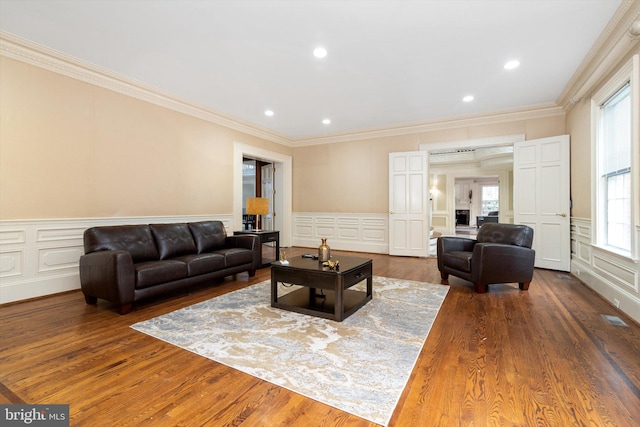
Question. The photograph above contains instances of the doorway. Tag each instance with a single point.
(282, 185)
(476, 200)
(257, 181)
(452, 162)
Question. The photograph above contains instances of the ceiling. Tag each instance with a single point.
(389, 63)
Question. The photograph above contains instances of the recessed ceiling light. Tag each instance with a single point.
(320, 52)
(268, 113)
(511, 65)
(326, 121)
(467, 98)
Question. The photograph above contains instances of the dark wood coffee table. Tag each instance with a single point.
(326, 292)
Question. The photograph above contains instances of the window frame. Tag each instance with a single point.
(482, 200)
(629, 73)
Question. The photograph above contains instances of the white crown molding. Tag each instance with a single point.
(518, 114)
(17, 48)
(611, 47)
(14, 47)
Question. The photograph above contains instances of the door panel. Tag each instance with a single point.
(408, 215)
(541, 198)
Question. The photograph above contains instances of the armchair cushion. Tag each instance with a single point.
(506, 234)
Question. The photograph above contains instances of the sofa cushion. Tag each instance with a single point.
(208, 235)
(157, 272)
(173, 240)
(202, 263)
(135, 239)
(236, 256)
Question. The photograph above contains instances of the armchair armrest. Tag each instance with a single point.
(108, 275)
(453, 244)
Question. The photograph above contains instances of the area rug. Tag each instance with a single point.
(360, 365)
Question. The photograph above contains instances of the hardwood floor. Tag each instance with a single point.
(543, 357)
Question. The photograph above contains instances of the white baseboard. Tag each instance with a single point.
(41, 257)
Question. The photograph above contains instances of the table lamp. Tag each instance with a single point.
(257, 206)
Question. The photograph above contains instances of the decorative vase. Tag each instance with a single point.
(324, 251)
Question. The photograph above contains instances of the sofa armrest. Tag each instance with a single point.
(108, 275)
(247, 241)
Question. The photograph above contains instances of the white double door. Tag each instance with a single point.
(541, 200)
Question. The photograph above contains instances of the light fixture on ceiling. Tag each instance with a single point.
(326, 121)
(320, 52)
(512, 64)
(467, 98)
(268, 113)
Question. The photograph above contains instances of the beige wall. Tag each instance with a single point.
(353, 176)
(69, 149)
(579, 127)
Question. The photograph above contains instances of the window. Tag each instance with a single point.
(614, 153)
(490, 199)
(615, 168)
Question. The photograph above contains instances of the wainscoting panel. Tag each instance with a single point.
(616, 278)
(350, 232)
(41, 257)
(9, 236)
(11, 263)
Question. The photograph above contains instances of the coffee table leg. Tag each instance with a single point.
(312, 297)
(274, 289)
(339, 303)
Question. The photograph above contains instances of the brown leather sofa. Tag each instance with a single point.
(501, 253)
(127, 263)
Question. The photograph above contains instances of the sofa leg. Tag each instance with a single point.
(252, 273)
(524, 286)
(480, 288)
(90, 300)
(125, 308)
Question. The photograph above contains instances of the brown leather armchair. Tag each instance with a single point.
(501, 253)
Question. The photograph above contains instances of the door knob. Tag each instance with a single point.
(563, 215)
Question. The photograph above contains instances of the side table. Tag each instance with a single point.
(267, 237)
